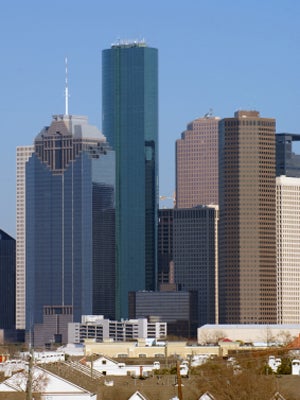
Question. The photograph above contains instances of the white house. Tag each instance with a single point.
(50, 385)
(107, 366)
(274, 363)
(296, 367)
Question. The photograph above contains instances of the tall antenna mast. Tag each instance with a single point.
(66, 89)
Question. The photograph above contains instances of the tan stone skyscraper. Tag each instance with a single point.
(288, 249)
(23, 154)
(247, 230)
(197, 163)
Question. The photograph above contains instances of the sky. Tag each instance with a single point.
(217, 54)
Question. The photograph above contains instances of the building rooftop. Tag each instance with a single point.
(75, 125)
(246, 113)
(129, 43)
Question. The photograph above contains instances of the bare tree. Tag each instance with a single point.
(222, 381)
(211, 337)
(39, 381)
(284, 337)
(268, 336)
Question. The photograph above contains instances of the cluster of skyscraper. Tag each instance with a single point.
(90, 237)
(252, 174)
(87, 203)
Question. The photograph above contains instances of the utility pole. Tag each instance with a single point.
(180, 397)
(29, 380)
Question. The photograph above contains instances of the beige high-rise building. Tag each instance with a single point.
(247, 228)
(197, 163)
(23, 154)
(288, 249)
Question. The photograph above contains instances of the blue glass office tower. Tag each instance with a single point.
(69, 203)
(130, 124)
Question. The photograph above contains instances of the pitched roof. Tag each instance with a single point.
(52, 383)
(137, 396)
(207, 396)
(295, 344)
(277, 396)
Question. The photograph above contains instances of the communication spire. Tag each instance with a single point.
(66, 89)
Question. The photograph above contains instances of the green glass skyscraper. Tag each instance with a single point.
(130, 124)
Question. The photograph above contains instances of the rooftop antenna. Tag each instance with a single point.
(66, 89)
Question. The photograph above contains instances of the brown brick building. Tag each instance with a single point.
(247, 234)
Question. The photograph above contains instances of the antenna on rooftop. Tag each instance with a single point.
(209, 114)
(66, 89)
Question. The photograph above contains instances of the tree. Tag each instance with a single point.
(285, 368)
(284, 337)
(224, 383)
(39, 380)
(268, 336)
(211, 337)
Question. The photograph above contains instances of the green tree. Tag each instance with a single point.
(285, 368)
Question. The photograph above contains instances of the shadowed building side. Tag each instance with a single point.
(7, 283)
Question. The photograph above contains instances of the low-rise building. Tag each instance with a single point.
(160, 350)
(256, 334)
(178, 308)
(99, 329)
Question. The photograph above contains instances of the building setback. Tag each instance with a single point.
(69, 193)
(197, 174)
(130, 124)
(247, 230)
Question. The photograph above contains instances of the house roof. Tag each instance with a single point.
(53, 384)
(137, 396)
(207, 396)
(295, 344)
(278, 396)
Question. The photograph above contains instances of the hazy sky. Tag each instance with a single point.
(224, 55)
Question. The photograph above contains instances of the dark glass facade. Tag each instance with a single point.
(69, 206)
(165, 244)
(130, 124)
(287, 159)
(178, 309)
(7, 281)
(194, 251)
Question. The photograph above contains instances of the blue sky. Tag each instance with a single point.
(224, 55)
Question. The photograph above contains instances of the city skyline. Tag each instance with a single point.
(224, 56)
